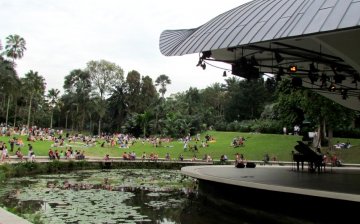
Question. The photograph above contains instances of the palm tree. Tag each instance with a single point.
(34, 86)
(15, 47)
(162, 80)
(53, 96)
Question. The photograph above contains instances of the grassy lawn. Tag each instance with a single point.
(256, 145)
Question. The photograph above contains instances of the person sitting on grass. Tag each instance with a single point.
(167, 157)
(107, 157)
(19, 154)
(51, 154)
(143, 157)
(208, 158)
(266, 158)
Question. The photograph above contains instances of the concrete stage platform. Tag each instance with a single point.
(333, 195)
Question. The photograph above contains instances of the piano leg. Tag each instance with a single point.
(302, 165)
(297, 165)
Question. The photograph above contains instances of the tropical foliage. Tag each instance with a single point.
(101, 98)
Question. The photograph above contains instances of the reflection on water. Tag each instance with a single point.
(117, 196)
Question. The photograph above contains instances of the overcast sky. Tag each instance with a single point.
(62, 35)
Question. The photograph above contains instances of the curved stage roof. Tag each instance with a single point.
(318, 36)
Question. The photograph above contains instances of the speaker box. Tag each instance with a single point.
(240, 165)
(250, 165)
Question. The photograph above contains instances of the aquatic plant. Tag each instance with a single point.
(94, 196)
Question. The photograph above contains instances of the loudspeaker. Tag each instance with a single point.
(250, 165)
(240, 165)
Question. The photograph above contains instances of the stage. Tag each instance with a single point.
(283, 190)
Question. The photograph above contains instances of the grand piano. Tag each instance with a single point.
(307, 154)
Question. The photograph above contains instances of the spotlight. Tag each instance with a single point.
(224, 74)
(332, 87)
(244, 69)
(278, 57)
(323, 80)
(313, 77)
(344, 93)
(292, 68)
(199, 62)
(338, 78)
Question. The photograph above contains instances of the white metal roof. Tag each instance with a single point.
(263, 20)
(321, 33)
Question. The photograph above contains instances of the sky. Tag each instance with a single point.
(63, 35)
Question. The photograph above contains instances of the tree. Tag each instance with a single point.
(247, 100)
(133, 84)
(214, 99)
(293, 105)
(148, 93)
(34, 86)
(104, 75)
(118, 106)
(77, 86)
(9, 82)
(162, 80)
(15, 46)
(53, 96)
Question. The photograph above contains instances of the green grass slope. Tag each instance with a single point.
(255, 147)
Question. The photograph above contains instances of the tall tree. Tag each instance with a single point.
(162, 81)
(9, 83)
(34, 86)
(53, 97)
(15, 46)
(104, 75)
(77, 86)
(133, 84)
(246, 99)
(148, 93)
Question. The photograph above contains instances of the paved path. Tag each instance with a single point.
(338, 183)
(9, 218)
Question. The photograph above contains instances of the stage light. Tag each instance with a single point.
(313, 77)
(292, 68)
(244, 69)
(323, 80)
(338, 78)
(313, 73)
(332, 87)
